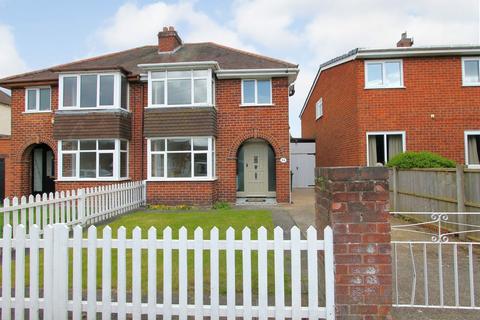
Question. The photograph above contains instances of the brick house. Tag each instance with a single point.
(200, 122)
(368, 105)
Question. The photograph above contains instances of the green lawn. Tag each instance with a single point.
(222, 219)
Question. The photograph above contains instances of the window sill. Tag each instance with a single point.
(35, 112)
(78, 109)
(471, 84)
(182, 179)
(318, 118)
(384, 88)
(181, 106)
(257, 105)
(92, 180)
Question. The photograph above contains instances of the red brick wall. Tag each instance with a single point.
(5, 144)
(432, 86)
(237, 124)
(336, 132)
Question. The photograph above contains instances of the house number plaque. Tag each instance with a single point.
(283, 160)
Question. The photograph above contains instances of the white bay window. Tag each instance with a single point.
(93, 159)
(180, 88)
(93, 91)
(186, 158)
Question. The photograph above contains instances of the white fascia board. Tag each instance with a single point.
(291, 73)
(172, 65)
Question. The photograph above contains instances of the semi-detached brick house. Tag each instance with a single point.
(370, 104)
(200, 122)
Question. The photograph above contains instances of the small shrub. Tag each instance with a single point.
(423, 159)
(221, 205)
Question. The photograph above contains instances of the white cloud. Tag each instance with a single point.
(134, 25)
(10, 61)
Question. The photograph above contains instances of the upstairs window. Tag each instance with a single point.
(319, 108)
(383, 74)
(256, 92)
(383, 146)
(180, 88)
(471, 71)
(472, 149)
(38, 100)
(88, 91)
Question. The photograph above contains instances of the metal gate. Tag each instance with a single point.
(436, 260)
(2, 179)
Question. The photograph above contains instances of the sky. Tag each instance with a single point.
(39, 34)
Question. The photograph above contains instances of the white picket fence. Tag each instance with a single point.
(84, 206)
(60, 299)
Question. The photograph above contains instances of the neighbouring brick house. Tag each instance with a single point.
(370, 104)
(200, 122)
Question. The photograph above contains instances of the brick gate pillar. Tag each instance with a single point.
(354, 202)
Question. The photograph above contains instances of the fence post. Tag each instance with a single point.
(60, 271)
(144, 190)
(81, 206)
(395, 188)
(460, 177)
(354, 202)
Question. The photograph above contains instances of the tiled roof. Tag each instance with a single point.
(227, 58)
(5, 99)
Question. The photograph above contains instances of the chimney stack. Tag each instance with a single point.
(168, 40)
(404, 41)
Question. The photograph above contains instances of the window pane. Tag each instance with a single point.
(374, 74)
(200, 91)
(69, 165)
(178, 145)
(264, 91)
(88, 165)
(179, 92)
(471, 71)
(272, 181)
(32, 99)
(179, 74)
(88, 145)
(473, 149)
(179, 165)
(248, 91)
(158, 92)
(106, 145)
(88, 91)
(106, 90)
(69, 91)
(200, 144)
(69, 145)
(105, 161)
(200, 165)
(158, 75)
(45, 99)
(241, 169)
(395, 145)
(124, 94)
(158, 145)
(157, 165)
(392, 74)
(123, 164)
(200, 73)
(123, 145)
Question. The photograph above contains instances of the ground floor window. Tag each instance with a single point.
(186, 158)
(472, 148)
(383, 146)
(93, 159)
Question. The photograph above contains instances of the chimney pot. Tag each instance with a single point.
(168, 39)
(405, 41)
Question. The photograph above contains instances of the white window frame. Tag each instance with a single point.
(117, 94)
(385, 134)
(466, 134)
(116, 161)
(256, 93)
(319, 109)
(465, 83)
(383, 62)
(37, 106)
(211, 170)
(208, 79)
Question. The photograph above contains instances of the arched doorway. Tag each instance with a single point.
(256, 176)
(42, 169)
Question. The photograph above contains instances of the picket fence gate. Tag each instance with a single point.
(84, 206)
(58, 300)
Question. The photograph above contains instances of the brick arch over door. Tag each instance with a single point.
(23, 152)
(256, 134)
